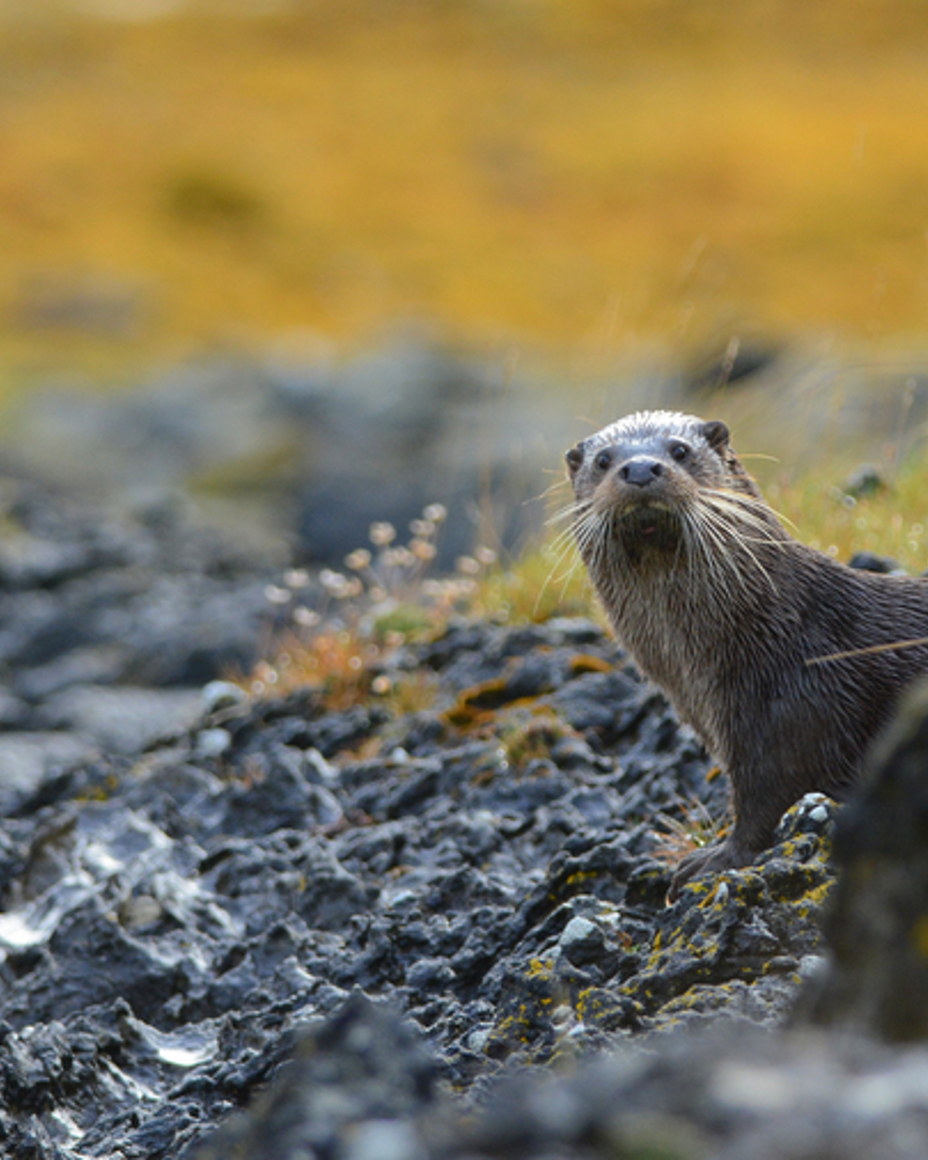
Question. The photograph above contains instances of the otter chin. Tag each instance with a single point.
(650, 527)
(785, 662)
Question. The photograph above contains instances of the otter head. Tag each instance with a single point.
(642, 480)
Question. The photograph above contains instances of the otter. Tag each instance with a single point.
(785, 661)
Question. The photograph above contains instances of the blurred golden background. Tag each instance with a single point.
(583, 181)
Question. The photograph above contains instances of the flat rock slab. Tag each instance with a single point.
(123, 720)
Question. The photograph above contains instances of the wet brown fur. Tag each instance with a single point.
(723, 609)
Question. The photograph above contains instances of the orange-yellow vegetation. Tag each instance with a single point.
(575, 178)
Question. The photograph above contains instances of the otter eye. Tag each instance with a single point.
(574, 458)
(679, 451)
(603, 461)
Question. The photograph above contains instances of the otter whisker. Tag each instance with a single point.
(584, 531)
(569, 511)
(869, 650)
(722, 527)
(700, 556)
(750, 503)
(565, 538)
(584, 535)
(769, 533)
(734, 522)
(550, 575)
(559, 484)
(563, 580)
(680, 554)
(578, 515)
(719, 562)
(756, 516)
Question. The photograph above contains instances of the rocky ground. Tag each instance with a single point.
(428, 923)
(310, 449)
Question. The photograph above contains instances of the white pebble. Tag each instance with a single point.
(212, 742)
(812, 966)
(221, 695)
(577, 930)
(384, 1140)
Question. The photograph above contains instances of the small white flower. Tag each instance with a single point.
(422, 549)
(296, 577)
(275, 595)
(358, 559)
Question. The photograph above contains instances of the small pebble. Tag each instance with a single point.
(477, 1040)
(563, 1018)
(812, 966)
(212, 742)
(578, 930)
(139, 911)
(384, 1140)
(222, 695)
(327, 809)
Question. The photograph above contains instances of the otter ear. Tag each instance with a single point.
(715, 433)
(574, 458)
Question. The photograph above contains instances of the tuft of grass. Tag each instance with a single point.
(337, 632)
(892, 522)
(545, 581)
(407, 692)
(337, 664)
(693, 829)
(213, 200)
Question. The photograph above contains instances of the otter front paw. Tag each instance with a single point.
(727, 855)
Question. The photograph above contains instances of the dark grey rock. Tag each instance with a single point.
(864, 481)
(317, 448)
(877, 927)
(870, 562)
(155, 603)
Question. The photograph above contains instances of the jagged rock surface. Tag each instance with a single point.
(489, 865)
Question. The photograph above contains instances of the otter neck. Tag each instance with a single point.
(656, 595)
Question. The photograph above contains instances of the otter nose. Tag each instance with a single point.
(640, 471)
